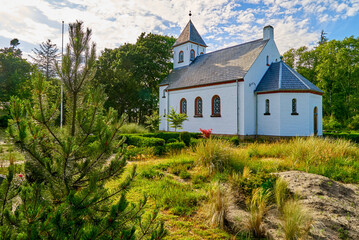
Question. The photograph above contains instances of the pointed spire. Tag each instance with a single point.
(190, 34)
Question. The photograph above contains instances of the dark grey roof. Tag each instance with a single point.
(189, 34)
(223, 65)
(280, 76)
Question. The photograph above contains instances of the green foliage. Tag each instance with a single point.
(175, 146)
(185, 137)
(216, 205)
(331, 123)
(332, 66)
(131, 74)
(133, 128)
(168, 135)
(4, 121)
(234, 141)
(172, 140)
(261, 180)
(14, 73)
(153, 121)
(176, 119)
(281, 192)
(352, 136)
(138, 141)
(354, 123)
(45, 58)
(64, 194)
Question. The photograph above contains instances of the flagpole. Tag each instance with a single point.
(62, 53)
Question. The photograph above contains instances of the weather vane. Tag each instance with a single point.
(190, 14)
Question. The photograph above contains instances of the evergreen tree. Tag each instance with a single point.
(63, 195)
(45, 58)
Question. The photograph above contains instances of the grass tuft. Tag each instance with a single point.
(281, 192)
(133, 128)
(217, 206)
(296, 220)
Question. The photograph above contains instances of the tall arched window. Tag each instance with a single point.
(198, 107)
(183, 106)
(294, 107)
(267, 108)
(180, 57)
(193, 54)
(267, 60)
(216, 106)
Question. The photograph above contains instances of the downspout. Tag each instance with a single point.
(256, 113)
(168, 106)
(237, 108)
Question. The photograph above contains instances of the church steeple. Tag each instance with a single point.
(188, 46)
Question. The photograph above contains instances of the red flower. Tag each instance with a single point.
(20, 175)
(206, 132)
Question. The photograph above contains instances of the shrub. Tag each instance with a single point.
(186, 138)
(331, 123)
(281, 192)
(214, 154)
(354, 123)
(153, 121)
(172, 140)
(296, 220)
(133, 128)
(151, 173)
(257, 207)
(216, 205)
(184, 174)
(175, 146)
(234, 141)
(261, 180)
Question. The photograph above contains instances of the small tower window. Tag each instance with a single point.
(267, 108)
(183, 106)
(294, 107)
(180, 57)
(267, 60)
(216, 106)
(164, 94)
(193, 54)
(198, 107)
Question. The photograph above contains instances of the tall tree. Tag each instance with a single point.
(132, 72)
(45, 58)
(14, 72)
(63, 195)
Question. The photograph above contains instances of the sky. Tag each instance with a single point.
(221, 23)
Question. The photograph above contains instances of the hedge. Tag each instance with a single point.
(349, 136)
(175, 146)
(139, 141)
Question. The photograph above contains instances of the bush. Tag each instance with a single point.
(175, 146)
(354, 123)
(133, 128)
(234, 141)
(4, 121)
(331, 123)
(138, 141)
(172, 140)
(261, 180)
(185, 137)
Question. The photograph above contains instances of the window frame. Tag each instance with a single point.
(213, 113)
(196, 114)
(194, 54)
(294, 107)
(267, 107)
(181, 106)
(180, 59)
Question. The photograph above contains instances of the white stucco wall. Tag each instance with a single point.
(186, 48)
(226, 124)
(251, 81)
(281, 122)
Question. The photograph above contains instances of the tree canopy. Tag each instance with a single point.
(132, 72)
(334, 67)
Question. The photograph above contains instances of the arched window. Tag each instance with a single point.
(198, 107)
(294, 107)
(267, 108)
(267, 60)
(180, 57)
(216, 106)
(193, 55)
(201, 53)
(164, 93)
(183, 106)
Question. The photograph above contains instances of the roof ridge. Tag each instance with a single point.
(295, 74)
(261, 39)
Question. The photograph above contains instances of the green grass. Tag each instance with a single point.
(133, 128)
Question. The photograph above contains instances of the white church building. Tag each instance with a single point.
(244, 90)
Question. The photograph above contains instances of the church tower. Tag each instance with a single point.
(188, 46)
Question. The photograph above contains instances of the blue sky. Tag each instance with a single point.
(221, 23)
